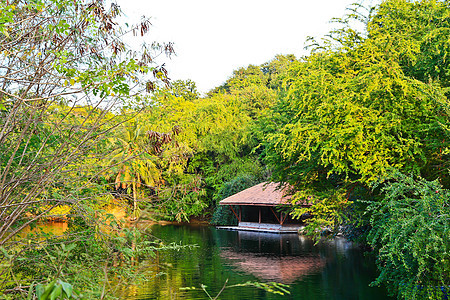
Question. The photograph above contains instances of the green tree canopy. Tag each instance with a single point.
(353, 113)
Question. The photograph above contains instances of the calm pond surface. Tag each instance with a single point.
(333, 269)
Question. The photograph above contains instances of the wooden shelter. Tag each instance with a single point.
(256, 209)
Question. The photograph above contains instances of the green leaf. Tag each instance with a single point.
(5, 253)
(71, 247)
(40, 289)
(67, 287)
(47, 290)
(5, 32)
(56, 292)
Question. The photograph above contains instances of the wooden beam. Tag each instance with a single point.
(235, 213)
(279, 221)
(283, 219)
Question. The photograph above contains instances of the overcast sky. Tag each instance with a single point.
(214, 37)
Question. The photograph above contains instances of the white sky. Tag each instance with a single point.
(214, 37)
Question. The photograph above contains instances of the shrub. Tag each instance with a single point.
(411, 231)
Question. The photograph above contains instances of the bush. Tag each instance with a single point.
(411, 231)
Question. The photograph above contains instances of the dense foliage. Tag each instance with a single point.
(84, 123)
(360, 108)
(411, 231)
(351, 114)
(216, 141)
(64, 72)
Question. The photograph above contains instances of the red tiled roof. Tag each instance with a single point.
(263, 194)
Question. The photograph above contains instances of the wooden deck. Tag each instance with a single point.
(263, 227)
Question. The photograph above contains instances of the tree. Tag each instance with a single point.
(351, 114)
(134, 158)
(69, 53)
(414, 33)
(214, 144)
(185, 89)
(421, 50)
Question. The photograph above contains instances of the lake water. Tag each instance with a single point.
(333, 269)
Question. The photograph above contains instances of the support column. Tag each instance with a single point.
(260, 215)
(240, 213)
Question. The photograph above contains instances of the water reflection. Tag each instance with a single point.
(52, 228)
(278, 257)
(332, 269)
(278, 269)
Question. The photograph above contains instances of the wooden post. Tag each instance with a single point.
(240, 213)
(260, 215)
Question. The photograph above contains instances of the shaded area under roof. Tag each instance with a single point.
(263, 194)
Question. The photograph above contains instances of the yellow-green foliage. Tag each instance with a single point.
(360, 122)
(352, 112)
